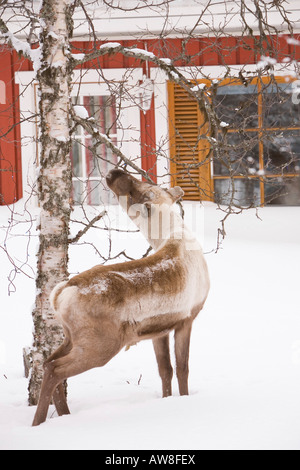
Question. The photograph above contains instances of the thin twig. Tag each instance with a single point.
(87, 227)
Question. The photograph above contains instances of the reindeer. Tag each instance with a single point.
(108, 307)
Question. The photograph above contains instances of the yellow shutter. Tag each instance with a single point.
(188, 151)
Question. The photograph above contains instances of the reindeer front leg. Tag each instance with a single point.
(162, 352)
(182, 350)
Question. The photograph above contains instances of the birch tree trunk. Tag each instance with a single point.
(54, 180)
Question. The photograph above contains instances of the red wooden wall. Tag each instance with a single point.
(197, 52)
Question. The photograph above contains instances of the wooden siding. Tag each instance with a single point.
(195, 52)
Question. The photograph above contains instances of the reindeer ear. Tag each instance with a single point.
(176, 193)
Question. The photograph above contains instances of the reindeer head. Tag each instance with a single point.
(134, 191)
(144, 202)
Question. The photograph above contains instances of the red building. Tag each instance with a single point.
(151, 138)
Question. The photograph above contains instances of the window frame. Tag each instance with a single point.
(91, 83)
(84, 83)
(261, 130)
(83, 140)
(213, 73)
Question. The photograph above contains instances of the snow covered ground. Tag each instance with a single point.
(244, 361)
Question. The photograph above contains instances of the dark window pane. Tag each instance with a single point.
(237, 105)
(238, 154)
(93, 163)
(90, 168)
(282, 191)
(282, 152)
(278, 107)
(76, 157)
(239, 192)
(95, 193)
(103, 110)
(77, 191)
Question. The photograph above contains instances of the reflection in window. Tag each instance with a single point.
(240, 155)
(236, 103)
(90, 168)
(239, 192)
(278, 107)
(283, 191)
(261, 144)
(282, 152)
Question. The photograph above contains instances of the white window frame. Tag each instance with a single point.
(85, 83)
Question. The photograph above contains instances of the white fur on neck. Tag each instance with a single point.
(161, 223)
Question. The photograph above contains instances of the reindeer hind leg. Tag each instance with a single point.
(59, 395)
(56, 371)
(80, 358)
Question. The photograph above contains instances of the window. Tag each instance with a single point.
(90, 169)
(259, 158)
(106, 98)
(262, 144)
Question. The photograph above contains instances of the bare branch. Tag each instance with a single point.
(87, 227)
(100, 138)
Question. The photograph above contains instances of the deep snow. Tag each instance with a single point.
(244, 361)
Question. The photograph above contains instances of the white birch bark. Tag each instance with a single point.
(54, 181)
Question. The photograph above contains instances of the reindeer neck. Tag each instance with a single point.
(167, 226)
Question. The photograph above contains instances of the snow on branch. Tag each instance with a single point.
(21, 47)
(115, 47)
(164, 64)
(81, 112)
(266, 62)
